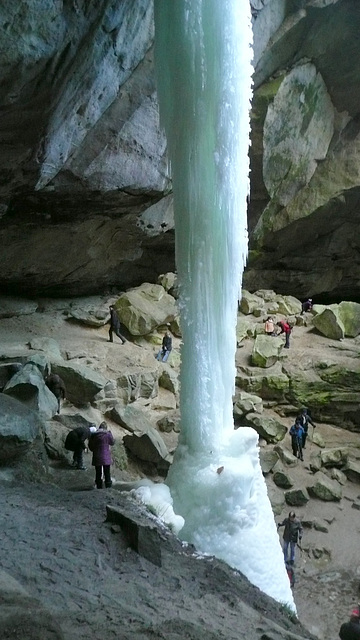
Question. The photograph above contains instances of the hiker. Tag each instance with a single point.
(292, 533)
(100, 443)
(165, 348)
(297, 433)
(284, 328)
(57, 387)
(307, 305)
(115, 325)
(305, 419)
(75, 441)
(351, 630)
(270, 327)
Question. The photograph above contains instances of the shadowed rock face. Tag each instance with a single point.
(85, 196)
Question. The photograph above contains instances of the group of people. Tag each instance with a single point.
(99, 442)
(283, 326)
(299, 432)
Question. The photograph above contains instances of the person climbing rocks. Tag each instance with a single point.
(351, 630)
(284, 328)
(270, 327)
(297, 432)
(305, 419)
(100, 443)
(166, 347)
(307, 305)
(292, 534)
(57, 387)
(115, 326)
(75, 442)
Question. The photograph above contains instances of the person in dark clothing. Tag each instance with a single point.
(100, 443)
(115, 326)
(165, 348)
(305, 419)
(285, 328)
(75, 441)
(297, 433)
(351, 630)
(57, 387)
(292, 533)
(307, 305)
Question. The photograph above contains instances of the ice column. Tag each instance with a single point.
(203, 61)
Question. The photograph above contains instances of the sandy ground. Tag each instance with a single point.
(57, 545)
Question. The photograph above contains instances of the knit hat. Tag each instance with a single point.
(355, 613)
(93, 428)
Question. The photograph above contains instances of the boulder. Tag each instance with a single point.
(54, 440)
(144, 308)
(266, 351)
(349, 312)
(28, 386)
(268, 428)
(335, 457)
(7, 371)
(82, 383)
(330, 323)
(283, 479)
(288, 305)
(149, 447)
(268, 459)
(169, 380)
(244, 329)
(12, 307)
(266, 294)
(324, 488)
(297, 497)
(247, 403)
(285, 456)
(249, 302)
(19, 428)
(90, 311)
(169, 282)
(269, 385)
(352, 471)
(132, 418)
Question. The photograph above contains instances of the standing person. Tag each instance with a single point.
(115, 325)
(307, 305)
(297, 433)
(292, 533)
(305, 419)
(165, 348)
(100, 443)
(269, 326)
(75, 442)
(351, 630)
(285, 328)
(57, 387)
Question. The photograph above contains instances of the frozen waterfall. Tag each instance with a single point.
(203, 59)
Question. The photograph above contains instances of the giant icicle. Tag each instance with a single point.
(203, 59)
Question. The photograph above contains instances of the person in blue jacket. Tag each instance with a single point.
(297, 433)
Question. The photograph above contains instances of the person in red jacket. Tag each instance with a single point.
(100, 443)
(284, 328)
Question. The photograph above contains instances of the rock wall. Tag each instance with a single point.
(85, 195)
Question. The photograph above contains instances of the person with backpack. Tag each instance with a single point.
(306, 306)
(292, 534)
(297, 434)
(305, 419)
(284, 328)
(75, 442)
